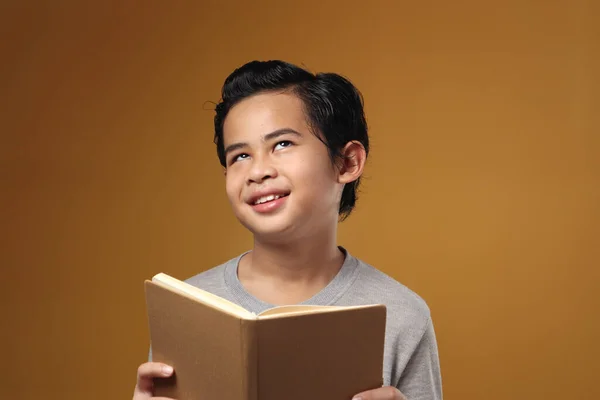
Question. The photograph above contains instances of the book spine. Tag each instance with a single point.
(249, 350)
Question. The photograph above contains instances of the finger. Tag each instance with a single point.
(145, 374)
(154, 370)
(382, 393)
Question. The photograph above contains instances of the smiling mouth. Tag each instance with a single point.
(266, 199)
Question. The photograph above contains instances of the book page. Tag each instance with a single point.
(301, 309)
(203, 296)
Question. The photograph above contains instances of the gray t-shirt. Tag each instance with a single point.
(411, 361)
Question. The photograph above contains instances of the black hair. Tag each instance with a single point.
(333, 105)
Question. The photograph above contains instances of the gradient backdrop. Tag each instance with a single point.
(482, 192)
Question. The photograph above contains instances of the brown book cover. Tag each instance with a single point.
(221, 351)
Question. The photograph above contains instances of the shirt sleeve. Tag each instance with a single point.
(421, 379)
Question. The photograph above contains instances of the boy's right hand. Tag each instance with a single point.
(144, 387)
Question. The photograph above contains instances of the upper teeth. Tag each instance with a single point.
(270, 197)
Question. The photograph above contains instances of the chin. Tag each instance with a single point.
(273, 230)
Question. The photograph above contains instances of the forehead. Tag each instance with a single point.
(261, 114)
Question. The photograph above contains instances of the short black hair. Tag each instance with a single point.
(333, 105)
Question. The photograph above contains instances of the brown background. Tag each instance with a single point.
(482, 193)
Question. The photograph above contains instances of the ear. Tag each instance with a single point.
(353, 161)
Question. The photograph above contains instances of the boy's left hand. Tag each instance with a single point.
(382, 393)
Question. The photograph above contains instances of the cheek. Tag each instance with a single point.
(232, 187)
(317, 177)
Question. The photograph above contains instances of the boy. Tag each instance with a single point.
(293, 147)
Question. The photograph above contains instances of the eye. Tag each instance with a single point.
(283, 144)
(238, 157)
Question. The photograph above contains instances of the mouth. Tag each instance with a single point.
(267, 198)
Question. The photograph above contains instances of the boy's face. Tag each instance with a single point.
(279, 177)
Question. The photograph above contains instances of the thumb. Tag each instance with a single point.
(382, 393)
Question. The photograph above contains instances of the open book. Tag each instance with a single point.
(221, 350)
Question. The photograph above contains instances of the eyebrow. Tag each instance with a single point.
(269, 136)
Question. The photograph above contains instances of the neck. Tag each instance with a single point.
(315, 258)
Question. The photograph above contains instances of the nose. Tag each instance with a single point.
(261, 170)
